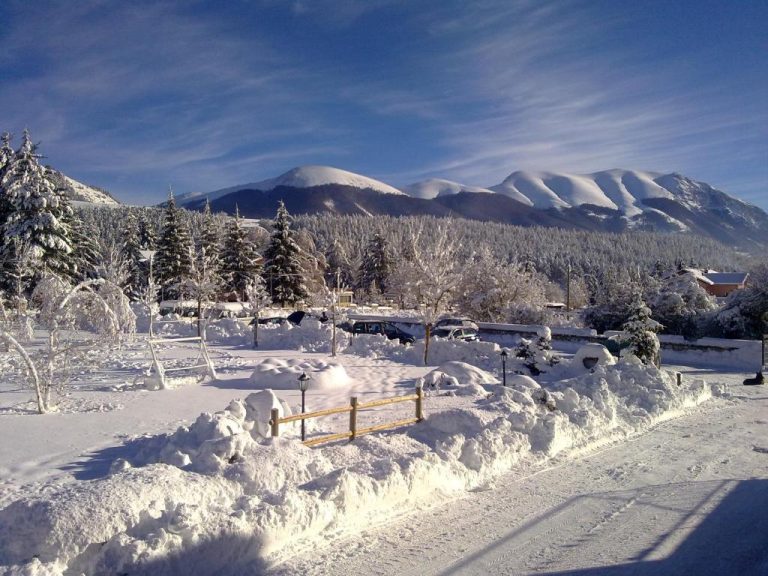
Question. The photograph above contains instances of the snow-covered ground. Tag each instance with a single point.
(128, 480)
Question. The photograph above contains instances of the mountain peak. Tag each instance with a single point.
(313, 175)
(434, 187)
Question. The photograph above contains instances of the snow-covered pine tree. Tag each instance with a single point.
(130, 250)
(173, 259)
(210, 237)
(282, 269)
(239, 261)
(641, 332)
(338, 270)
(39, 215)
(6, 155)
(258, 299)
(376, 265)
(85, 249)
(147, 234)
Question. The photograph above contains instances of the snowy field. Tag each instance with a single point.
(576, 471)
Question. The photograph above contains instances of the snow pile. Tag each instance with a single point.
(213, 441)
(283, 374)
(482, 354)
(591, 355)
(228, 497)
(466, 380)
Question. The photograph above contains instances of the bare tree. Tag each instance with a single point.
(431, 276)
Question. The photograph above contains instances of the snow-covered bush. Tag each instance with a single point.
(640, 333)
(536, 354)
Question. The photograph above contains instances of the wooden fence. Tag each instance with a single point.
(353, 408)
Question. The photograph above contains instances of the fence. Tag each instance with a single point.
(353, 408)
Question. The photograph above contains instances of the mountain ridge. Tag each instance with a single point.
(613, 200)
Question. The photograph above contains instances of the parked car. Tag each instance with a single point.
(378, 327)
(456, 321)
(454, 333)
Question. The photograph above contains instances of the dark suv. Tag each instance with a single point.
(378, 327)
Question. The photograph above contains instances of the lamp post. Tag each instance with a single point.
(504, 355)
(303, 385)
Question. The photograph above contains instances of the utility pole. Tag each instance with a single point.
(568, 290)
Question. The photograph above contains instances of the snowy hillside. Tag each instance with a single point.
(79, 192)
(622, 190)
(434, 187)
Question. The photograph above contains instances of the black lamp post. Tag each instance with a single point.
(504, 355)
(303, 385)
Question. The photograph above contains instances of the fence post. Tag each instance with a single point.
(679, 378)
(419, 403)
(275, 422)
(353, 418)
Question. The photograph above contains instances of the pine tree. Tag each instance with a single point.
(238, 259)
(209, 236)
(39, 214)
(147, 235)
(641, 332)
(130, 250)
(282, 270)
(376, 265)
(173, 260)
(6, 151)
(85, 255)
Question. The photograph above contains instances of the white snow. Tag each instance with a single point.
(435, 187)
(622, 190)
(107, 486)
(300, 177)
(88, 195)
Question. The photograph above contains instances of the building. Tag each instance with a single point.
(721, 284)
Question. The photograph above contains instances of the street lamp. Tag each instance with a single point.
(303, 385)
(504, 355)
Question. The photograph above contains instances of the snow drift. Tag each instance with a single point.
(223, 496)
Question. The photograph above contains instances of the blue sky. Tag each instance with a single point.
(138, 96)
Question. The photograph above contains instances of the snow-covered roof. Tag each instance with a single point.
(727, 277)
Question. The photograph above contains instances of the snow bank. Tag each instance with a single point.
(283, 374)
(226, 497)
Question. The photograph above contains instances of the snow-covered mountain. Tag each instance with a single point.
(611, 200)
(428, 189)
(80, 193)
(299, 177)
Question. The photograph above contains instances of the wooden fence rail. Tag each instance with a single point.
(353, 408)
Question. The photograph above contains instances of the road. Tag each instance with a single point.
(689, 496)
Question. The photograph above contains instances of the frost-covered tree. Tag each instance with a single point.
(63, 307)
(37, 214)
(209, 240)
(680, 304)
(6, 150)
(282, 266)
(494, 291)
(130, 250)
(339, 272)
(640, 332)
(536, 353)
(614, 297)
(147, 233)
(201, 284)
(258, 299)
(173, 259)
(239, 261)
(376, 265)
(432, 277)
(745, 313)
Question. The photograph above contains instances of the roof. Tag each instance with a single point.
(727, 277)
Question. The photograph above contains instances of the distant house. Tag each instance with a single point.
(722, 283)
